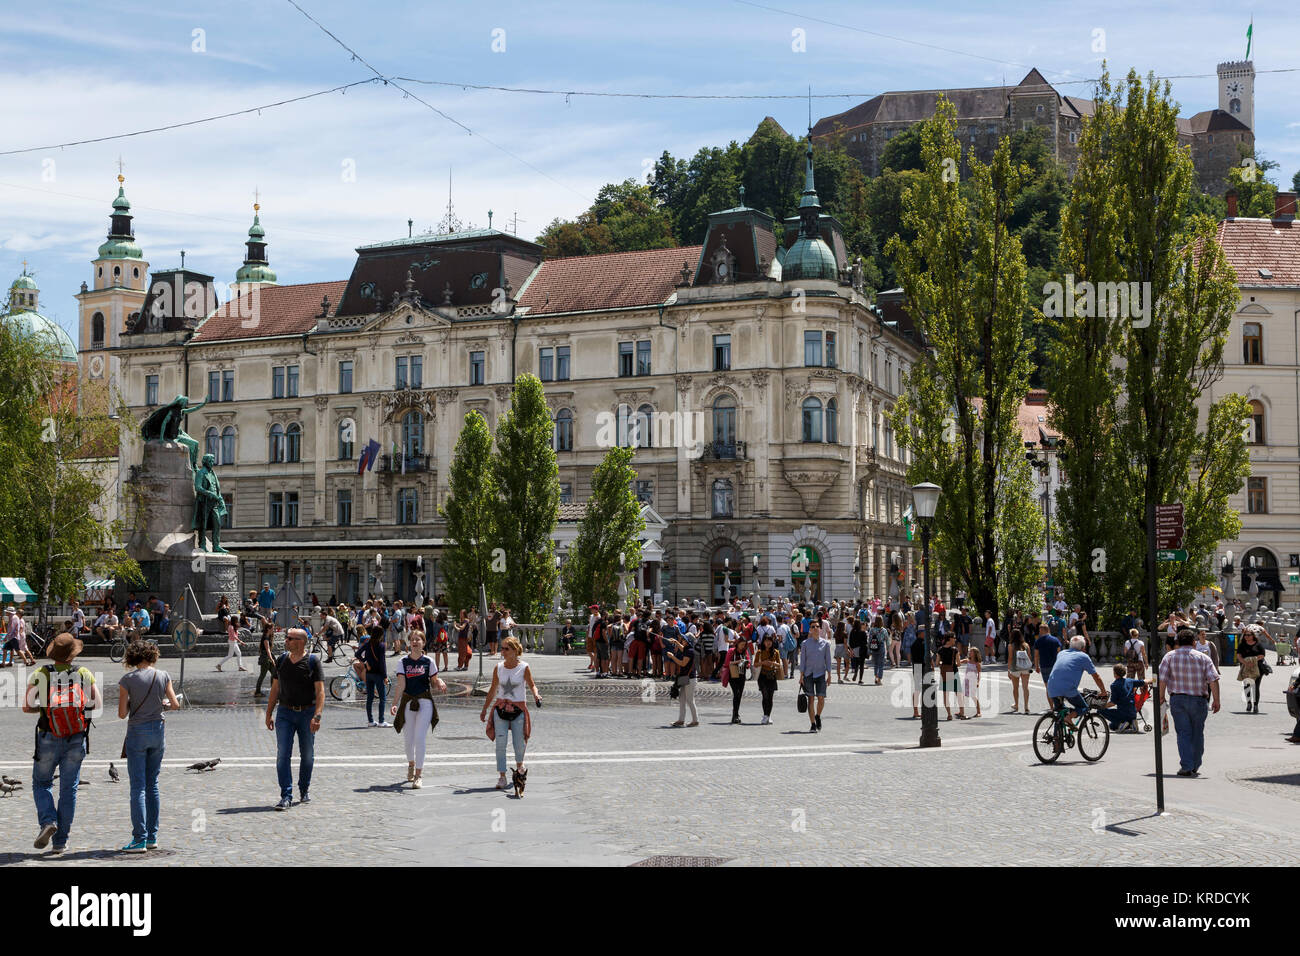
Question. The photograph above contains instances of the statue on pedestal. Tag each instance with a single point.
(164, 424)
(209, 506)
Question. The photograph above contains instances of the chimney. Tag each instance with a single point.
(1284, 207)
(1232, 203)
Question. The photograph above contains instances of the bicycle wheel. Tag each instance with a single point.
(117, 651)
(343, 688)
(1045, 748)
(1094, 737)
(343, 654)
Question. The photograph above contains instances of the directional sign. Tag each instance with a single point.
(1169, 525)
(185, 636)
(1176, 554)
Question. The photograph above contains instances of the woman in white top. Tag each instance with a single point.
(510, 713)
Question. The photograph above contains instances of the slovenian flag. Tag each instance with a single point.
(368, 456)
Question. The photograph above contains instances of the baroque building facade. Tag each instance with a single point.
(754, 380)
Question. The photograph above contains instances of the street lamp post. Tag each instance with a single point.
(726, 581)
(757, 598)
(1226, 570)
(857, 577)
(926, 498)
(622, 581)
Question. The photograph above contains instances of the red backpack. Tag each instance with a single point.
(66, 704)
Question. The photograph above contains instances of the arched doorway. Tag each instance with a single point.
(724, 565)
(806, 573)
(1264, 570)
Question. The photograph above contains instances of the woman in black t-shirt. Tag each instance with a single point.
(948, 677)
(918, 653)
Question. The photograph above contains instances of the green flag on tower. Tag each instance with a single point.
(1249, 32)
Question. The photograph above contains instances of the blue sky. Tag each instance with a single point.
(71, 71)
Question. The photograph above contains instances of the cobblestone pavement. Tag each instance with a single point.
(612, 784)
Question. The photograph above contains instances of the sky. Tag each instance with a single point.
(341, 170)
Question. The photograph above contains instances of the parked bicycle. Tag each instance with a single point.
(1091, 733)
(117, 650)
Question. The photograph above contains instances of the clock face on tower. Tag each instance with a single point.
(1234, 88)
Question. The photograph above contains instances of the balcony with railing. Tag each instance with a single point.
(393, 464)
(724, 450)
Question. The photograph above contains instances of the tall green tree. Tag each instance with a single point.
(624, 217)
(470, 515)
(527, 505)
(1256, 193)
(610, 526)
(964, 276)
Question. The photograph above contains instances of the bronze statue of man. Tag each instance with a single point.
(209, 506)
(164, 424)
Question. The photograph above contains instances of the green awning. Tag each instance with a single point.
(16, 590)
(103, 584)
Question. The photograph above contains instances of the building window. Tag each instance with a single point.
(546, 364)
(624, 359)
(476, 360)
(812, 348)
(830, 350)
(832, 421)
(562, 363)
(214, 386)
(721, 353)
(564, 430)
(347, 438)
(345, 377)
(724, 425)
(1040, 108)
(1074, 137)
(343, 509)
(292, 381)
(410, 371)
(151, 389)
(228, 445)
(293, 442)
(228, 519)
(889, 439)
(228, 385)
(566, 493)
(643, 358)
(276, 451)
(97, 331)
(644, 427)
(275, 513)
(277, 382)
(1257, 423)
(861, 365)
(625, 426)
(291, 509)
(724, 498)
(1257, 496)
(413, 434)
(408, 506)
(1252, 343)
(211, 443)
(812, 419)
(645, 492)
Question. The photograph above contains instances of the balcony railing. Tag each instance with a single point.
(393, 464)
(723, 450)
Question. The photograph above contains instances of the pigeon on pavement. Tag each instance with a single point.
(11, 781)
(201, 765)
(212, 764)
(7, 788)
(112, 772)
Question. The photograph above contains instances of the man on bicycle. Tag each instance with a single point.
(331, 631)
(1063, 684)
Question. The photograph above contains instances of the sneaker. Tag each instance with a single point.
(812, 728)
(135, 846)
(151, 844)
(285, 803)
(1187, 773)
(693, 723)
(305, 798)
(56, 850)
(43, 838)
(819, 721)
(384, 723)
(677, 723)
(418, 782)
(374, 723)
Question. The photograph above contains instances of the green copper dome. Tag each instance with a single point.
(120, 249)
(255, 231)
(255, 272)
(809, 259)
(24, 281)
(121, 203)
(32, 325)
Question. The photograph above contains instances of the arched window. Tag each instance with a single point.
(624, 437)
(211, 443)
(293, 442)
(1257, 424)
(564, 430)
(1252, 343)
(277, 443)
(724, 498)
(645, 417)
(724, 426)
(347, 438)
(413, 434)
(832, 421)
(228, 445)
(97, 330)
(812, 419)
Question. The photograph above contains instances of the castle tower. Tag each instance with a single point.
(116, 294)
(1237, 91)
(256, 270)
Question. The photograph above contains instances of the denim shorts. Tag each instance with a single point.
(815, 686)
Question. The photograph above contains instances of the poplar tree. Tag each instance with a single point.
(470, 512)
(611, 525)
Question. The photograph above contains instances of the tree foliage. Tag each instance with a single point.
(624, 217)
(611, 525)
(470, 516)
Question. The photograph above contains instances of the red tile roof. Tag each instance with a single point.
(271, 310)
(615, 280)
(1254, 244)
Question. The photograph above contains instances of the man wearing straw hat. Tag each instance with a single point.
(65, 695)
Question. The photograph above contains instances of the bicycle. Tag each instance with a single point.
(1091, 732)
(347, 686)
(117, 650)
(343, 652)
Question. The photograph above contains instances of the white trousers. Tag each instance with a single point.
(415, 727)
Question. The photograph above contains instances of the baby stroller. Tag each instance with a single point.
(1140, 697)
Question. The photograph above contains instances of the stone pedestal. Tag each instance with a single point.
(161, 512)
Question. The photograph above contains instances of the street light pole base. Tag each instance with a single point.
(930, 738)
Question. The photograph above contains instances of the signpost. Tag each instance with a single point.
(1171, 554)
(185, 636)
(1169, 547)
(1169, 526)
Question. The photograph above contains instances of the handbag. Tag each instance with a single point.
(801, 702)
(137, 707)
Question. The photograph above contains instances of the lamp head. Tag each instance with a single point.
(926, 497)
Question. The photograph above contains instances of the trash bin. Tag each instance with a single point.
(1229, 655)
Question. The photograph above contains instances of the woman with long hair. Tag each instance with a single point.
(464, 650)
(1020, 664)
(895, 639)
(146, 693)
(767, 664)
(414, 713)
(440, 641)
(842, 661)
(508, 703)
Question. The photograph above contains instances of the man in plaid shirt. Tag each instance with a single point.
(1187, 677)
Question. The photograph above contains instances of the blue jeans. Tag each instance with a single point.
(375, 687)
(65, 755)
(287, 724)
(144, 754)
(516, 729)
(878, 663)
(1189, 714)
